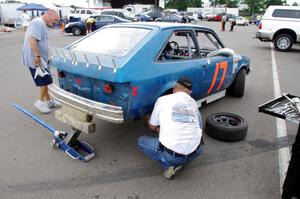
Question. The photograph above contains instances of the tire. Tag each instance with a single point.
(226, 127)
(76, 31)
(283, 42)
(237, 88)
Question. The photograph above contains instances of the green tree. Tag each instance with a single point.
(228, 3)
(295, 4)
(274, 2)
(254, 5)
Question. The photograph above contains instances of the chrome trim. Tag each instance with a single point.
(100, 110)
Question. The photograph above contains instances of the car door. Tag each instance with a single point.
(179, 57)
(217, 70)
(103, 21)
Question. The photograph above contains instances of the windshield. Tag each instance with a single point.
(115, 41)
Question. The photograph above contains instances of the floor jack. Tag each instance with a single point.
(66, 141)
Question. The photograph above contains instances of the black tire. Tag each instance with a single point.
(283, 42)
(76, 31)
(237, 88)
(226, 127)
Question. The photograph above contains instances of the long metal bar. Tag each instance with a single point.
(50, 128)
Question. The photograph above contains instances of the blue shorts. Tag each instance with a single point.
(41, 81)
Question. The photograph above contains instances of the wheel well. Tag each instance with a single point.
(285, 31)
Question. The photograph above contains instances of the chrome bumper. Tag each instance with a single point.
(100, 110)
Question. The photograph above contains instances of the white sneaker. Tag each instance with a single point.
(42, 106)
(53, 103)
(171, 171)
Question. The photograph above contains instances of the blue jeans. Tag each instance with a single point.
(150, 147)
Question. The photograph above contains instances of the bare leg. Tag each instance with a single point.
(44, 95)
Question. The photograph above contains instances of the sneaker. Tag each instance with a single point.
(42, 106)
(171, 171)
(53, 103)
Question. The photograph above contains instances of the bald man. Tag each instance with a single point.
(35, 58)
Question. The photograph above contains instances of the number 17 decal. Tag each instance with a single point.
(223, 66)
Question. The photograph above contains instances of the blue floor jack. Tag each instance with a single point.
(66, 141)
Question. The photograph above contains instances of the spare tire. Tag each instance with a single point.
(226, 127)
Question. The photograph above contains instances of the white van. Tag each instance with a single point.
(281, 25)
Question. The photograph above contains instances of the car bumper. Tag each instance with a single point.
(100, 110)
(263, 36)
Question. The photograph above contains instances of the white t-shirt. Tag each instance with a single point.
(178, 117)
(25, 19)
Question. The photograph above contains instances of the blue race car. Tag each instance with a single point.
(118, 72)
(79, 27)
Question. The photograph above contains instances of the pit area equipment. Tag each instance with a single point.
(287, 107)
(66, 141)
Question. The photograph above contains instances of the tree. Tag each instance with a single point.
(254, 5)
(227, 3)
(295, 4)
(274, 2)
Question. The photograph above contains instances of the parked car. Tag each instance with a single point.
(118, 72)
(79, 27)
(143, 17)
(281, 25)
(119, 13)
(242, 21)
(153, 14)
(253, 19)
(169, 18)
(82, 14)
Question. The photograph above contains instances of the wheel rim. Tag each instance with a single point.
(227, 120)
(283, 43)
(77, 31)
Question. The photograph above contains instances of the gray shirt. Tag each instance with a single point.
(38, 30)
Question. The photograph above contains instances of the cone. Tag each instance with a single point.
(62, 27)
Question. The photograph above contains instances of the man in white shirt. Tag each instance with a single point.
(178, 121)
(25, 20)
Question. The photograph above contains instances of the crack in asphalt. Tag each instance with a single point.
(252, 148)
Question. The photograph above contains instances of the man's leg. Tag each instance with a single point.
(150, 147)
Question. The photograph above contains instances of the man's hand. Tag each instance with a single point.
(37, 61)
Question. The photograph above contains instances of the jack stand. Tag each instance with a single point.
(68, 142)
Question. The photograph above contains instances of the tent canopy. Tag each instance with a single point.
(33, 6)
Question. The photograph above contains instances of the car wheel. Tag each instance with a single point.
(176, 21)
(226, 127)
(237, 88)
(157, 20)
(76, 31)
(283, 42)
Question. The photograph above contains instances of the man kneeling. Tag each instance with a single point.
(178, 121)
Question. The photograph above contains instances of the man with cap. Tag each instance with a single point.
(178, 121)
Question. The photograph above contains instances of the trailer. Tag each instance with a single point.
(9, 14)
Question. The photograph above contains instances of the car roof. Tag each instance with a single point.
(285, 7)
(161, 25)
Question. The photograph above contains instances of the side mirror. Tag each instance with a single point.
(222, 51)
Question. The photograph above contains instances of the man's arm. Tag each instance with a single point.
(152, 127)
(33, 42)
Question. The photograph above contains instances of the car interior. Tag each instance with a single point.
(181, 45)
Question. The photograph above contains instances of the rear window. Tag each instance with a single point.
(286, 13)
(116, 41)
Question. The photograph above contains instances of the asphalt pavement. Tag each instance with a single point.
(249, 169)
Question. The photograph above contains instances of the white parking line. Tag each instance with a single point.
(283, 153)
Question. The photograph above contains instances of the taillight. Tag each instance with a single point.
(107, 88)
(61, 74)
(78, 81)
(134, 91)
(260, 25)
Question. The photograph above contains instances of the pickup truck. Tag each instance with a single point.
(83, 14)
(281, 25)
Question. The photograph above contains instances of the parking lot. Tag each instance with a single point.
(30, 168)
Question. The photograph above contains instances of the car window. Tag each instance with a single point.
(106, 19)
(179, 46)
(113, 41)
(77, 11)
(82, 12)
(286, 13)
(89, 12)
(207, 42)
